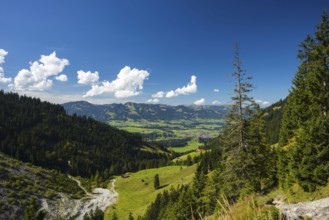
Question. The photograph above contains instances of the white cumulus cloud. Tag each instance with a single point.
(87, 78)
(216, 102)
(199, 102)
(159, 94)
(153, 101)
(62, 78)
(191, 87)
(129, 82)
(38, 76)
(262, 103)
(3, 79)
(171, 93)
(3, 53)
(216, 90)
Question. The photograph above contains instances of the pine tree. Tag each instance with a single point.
(131, 216)
(245, 149)
(114, 216)
(156, 181)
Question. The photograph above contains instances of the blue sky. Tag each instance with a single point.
(165, 51)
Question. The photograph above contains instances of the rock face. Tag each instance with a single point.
(316, 210)
(67, 208)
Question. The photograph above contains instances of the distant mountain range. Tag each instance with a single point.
(150, 112)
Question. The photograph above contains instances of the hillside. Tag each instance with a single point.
(23, 186)
(137, 192)
(43, 134)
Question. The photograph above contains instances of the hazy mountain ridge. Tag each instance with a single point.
(139, 111)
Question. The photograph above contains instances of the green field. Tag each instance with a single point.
(137, 192)
(187, 130)
(184, 157)
(191, 146)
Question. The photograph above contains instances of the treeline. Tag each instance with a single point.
(247, 162)
(43, 134)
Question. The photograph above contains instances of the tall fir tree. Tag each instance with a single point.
(156, 182)
(245, 148)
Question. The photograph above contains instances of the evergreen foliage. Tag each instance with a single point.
(304, 136)
(273, 117)
(43, 134)
(98, 214)
(22, 185)
(246, 156)
(156, 181)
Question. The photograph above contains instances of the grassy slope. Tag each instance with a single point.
(191, 145)
(254, 206)
(137, 191)
(184, 157)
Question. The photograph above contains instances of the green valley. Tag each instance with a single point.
(180, 128)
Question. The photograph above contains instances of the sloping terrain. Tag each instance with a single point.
(23, 186)
(136, 192)
(43, 134)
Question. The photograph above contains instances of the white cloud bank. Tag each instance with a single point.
(262, 103)
(129, 82)
(154, 101)
(191, 87)
(216, 102)
(3, 79)
(87, 78)
(38, 76)
(199, 102)
(159, 94)
(62, 78)
(216, 90)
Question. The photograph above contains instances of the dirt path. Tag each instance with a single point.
(79, 184)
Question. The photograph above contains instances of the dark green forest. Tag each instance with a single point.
(43, 134)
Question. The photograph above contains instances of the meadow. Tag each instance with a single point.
(137, 191)
(179, 135)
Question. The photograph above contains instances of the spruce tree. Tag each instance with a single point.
(156, 181)
(245, 148)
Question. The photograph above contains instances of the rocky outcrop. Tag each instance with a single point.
(68, 208)
(316, 210)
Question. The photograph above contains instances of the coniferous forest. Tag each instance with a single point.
(43, 134)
